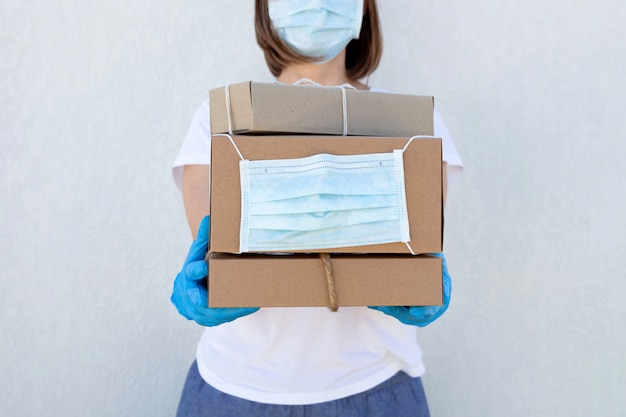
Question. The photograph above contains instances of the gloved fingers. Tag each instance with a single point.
(179, 297)
(444, 264)
(428, 314)
(197, 270)
(190, 299)
(414, 315)
(215, 316)
(200, 245)
(395, 311)
(423, 315)
(196, 294)
(447, 280)
(447, 287)
(230, 314)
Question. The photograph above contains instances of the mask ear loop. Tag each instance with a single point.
(408, 246)
(404, 149)
(232, 141)
(412, 138)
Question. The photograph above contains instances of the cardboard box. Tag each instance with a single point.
(423, 182)
(299, 280)
(280, 108)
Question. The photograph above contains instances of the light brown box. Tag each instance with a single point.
(423, 183)
(280, 108)
(252, 280)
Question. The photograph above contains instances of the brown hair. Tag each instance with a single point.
(362, 55)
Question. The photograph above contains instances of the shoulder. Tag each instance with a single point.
(202, 115)
(200, 126)
(196, 147)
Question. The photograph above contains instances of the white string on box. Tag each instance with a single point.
(344, 102)
(344, 98)
(408, 143)
(228, 110)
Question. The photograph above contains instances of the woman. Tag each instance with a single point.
(298, 361)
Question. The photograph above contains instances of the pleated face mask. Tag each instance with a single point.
(323, 201)
(317, 28)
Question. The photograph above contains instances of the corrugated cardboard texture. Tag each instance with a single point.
(423, 182)
(299, 280)
(279, 108)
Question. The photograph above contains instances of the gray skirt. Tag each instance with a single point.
(399, 396)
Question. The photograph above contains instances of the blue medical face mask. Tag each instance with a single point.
(317, 28)
(323, 201)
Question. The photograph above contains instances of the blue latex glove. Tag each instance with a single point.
(423, 315)
(190, 286)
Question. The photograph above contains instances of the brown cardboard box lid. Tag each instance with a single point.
(253, 280)
(423, 182)
(281, 108)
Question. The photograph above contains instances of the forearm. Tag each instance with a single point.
(196, 194)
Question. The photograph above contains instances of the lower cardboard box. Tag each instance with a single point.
(299, 280)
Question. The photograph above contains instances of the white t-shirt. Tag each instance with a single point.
(303, 355)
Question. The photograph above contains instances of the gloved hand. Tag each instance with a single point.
(422, 315)
(190, 286)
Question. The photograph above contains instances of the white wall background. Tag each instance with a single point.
(95, 98)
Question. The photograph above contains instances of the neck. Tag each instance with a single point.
(329, 73)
